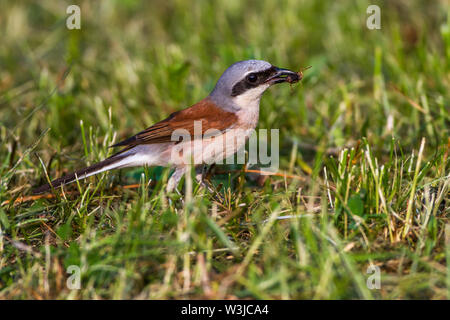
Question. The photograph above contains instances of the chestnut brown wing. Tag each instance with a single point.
(210, 115)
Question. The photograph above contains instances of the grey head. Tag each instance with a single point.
(244, 82)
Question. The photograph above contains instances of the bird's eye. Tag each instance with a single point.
(252, 78)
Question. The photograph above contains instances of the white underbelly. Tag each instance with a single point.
(210, 150)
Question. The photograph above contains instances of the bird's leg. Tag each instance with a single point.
(175, 178)
(201, 173)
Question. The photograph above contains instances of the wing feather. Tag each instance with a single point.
(210, 115)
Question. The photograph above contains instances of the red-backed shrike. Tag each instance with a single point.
(231, 110)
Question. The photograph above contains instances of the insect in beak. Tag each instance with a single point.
(300, 73)
(284, 75)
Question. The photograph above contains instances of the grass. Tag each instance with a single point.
(367, 131)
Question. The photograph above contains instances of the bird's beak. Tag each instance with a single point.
(284, 75)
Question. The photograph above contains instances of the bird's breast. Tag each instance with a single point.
(248, 117)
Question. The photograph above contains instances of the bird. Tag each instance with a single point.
(231, 110)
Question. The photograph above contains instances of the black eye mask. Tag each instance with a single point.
(245, 84)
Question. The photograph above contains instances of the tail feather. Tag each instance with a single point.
(107, 164)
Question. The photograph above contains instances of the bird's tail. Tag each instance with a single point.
(113, 162)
